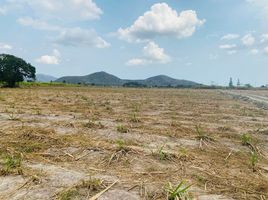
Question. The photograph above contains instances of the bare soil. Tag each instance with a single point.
(73, 142)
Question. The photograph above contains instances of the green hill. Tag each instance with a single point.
(105, 79)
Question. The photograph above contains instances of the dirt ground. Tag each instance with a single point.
(73, 142)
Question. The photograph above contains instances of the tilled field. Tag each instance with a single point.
(73, 143)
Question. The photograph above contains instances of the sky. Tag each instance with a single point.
(205, 41)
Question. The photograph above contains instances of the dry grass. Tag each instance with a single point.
(145, 138)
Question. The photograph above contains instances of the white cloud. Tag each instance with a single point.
(262, 5)
(231, 52)
(2, 11)
(152, 53)
(227, 46)
(53, 59)
(61, 10)
(248, 40)
(37, 24)
(5, 47)
(81, 37)
(265, 50)
(67, 36)
(137, 61)
(254, 51)
(162, 20)
(264, 38)
(230, 37)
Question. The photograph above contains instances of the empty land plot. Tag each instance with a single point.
(73, 142)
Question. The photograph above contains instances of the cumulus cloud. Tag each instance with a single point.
(53, 59)
(49, 13)
(230, 37)
(254, 51)
(227, 46)
(5, 47)
(248, 40)
(162, 20)
(67, 36)
(264, 38)
(137, 61)
(59, 10)
(37, 24)
(81, 37)
(152, 53)
(265, 50)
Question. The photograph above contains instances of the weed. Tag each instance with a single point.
(31, 147)
(246, 139)
(162, 155)
(254, 158)
(92, 124)
(11, 165)
(121, 151)
(120, 144)
(200, 178)
(122, 129)
(91, 185)
(202, 137)
(13, 117)
(178, 192)
(134, 118)
(69, 194)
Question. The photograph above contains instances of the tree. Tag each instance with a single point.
(231, 85)
(14, 70)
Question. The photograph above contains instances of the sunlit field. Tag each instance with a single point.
(77, 142)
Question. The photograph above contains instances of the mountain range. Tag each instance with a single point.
(105, 79)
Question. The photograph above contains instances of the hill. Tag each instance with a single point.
(98, 78)
(105, 79)
(164, 81)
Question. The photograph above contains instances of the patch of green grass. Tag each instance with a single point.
(92, 124)
(11, 164)
(200, 178)
(30, 147)
(50, 84)
(69, 194)
(246, 139)
(120, 145)
(134, 118)
(201, 134)
(122, 129)
(254, 158)
(178, 192)
(76, 192)
(92, 184)
(163, 155)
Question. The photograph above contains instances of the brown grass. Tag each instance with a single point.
(145, 138)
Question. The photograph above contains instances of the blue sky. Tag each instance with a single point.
(205, 41)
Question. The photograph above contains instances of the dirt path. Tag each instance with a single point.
(260, 100)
